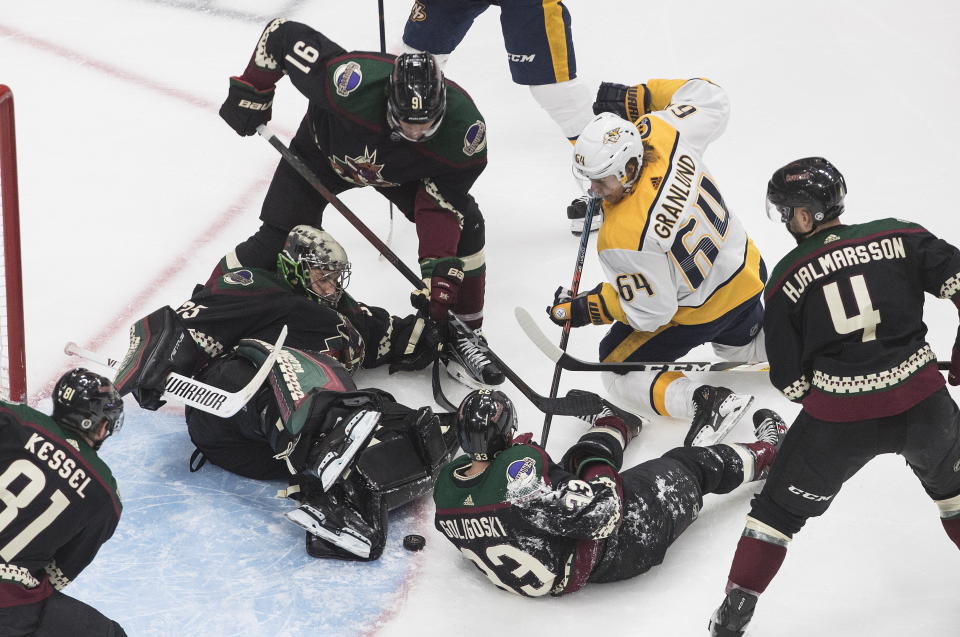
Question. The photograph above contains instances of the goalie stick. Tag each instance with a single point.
(584, 404)
(189, 391)
(568, 362)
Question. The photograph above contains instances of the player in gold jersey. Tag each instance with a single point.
(680, 268)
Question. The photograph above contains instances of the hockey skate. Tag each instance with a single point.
(768, 426)
(468, 360)
(577, 214)
(338, 524)
(736, 611)
(715, 412)
(336, 450)
(633, 422)
(770, 429)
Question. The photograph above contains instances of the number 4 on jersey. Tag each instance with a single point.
(867, 317)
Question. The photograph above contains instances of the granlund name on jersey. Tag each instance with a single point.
(671, 249)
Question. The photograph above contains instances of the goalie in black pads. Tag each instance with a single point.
(308, 422)
(506, 503)
(58, 504)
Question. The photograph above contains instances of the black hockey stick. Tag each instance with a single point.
(573, 364)
(583, 404)
(574, 288)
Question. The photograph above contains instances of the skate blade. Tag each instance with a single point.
(311, 520)
(460, 374)
(359, 430)
(732, 410)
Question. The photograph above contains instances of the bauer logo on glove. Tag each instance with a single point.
(585, 308)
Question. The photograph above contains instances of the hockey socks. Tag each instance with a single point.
(950, 518)
(760, 553)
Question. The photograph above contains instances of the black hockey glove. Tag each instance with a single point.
(246, 107)
(583, 309)
(413, 344)
(604, 443)
(159, 344)
(953, 376)
(620, 99)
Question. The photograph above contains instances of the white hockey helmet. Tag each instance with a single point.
(605, 147)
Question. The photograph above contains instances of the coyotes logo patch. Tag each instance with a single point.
(362, 170)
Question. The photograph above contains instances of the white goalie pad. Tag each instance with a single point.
(356, 433)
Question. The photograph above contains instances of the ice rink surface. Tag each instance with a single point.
(132, 187)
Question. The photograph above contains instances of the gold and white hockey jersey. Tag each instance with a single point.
(671, 251)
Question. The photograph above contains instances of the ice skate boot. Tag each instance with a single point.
(577, 214)
(770, 430)
(337, 523)
(736, 611)
(467, 358)
(716, 410)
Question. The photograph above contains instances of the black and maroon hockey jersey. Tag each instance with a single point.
(58, 504)
(844, 319)
(252, 303)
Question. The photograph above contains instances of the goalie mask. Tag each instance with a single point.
(416, 96)
(486, 422)
(608, 146)
(82, 400)
(313, 263)
(812, 183)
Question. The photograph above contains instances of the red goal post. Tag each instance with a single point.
(13, 366)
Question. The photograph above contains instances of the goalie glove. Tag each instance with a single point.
(585, 308)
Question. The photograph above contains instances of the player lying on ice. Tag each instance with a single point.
(308, 422)
(536, 527)
(395, 124)
(680, 268)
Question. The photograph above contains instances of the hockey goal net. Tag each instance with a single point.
(13, 381)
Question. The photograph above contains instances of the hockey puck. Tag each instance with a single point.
(414, 542)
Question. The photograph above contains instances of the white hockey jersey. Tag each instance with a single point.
(671, 251)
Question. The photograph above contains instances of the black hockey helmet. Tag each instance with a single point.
(82, 400)
(416, 93)
(813, 183)
(486, 422)
(309, 256)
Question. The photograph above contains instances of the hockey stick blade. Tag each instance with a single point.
(568, 362)
(194, 393)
